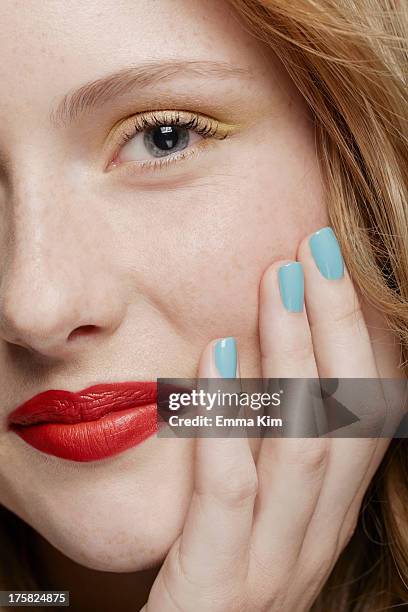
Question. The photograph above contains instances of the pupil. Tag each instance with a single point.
(165, 137)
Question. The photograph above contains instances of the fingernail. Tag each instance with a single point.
(327, 254)
(292, 286)
(225, 354)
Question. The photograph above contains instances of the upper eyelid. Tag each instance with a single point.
(170, 113)
(182, 118)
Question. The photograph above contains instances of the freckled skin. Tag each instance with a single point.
(161, 271)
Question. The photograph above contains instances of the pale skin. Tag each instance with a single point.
(91, 292)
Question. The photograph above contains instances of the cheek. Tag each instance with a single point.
(247, 221)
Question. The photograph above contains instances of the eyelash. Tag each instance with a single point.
(200, 124)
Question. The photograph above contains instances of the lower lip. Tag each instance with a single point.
(93, 440)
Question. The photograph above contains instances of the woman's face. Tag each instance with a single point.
(120, 262)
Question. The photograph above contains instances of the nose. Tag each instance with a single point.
(56, 285)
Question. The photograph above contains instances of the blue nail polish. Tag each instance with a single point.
(326, 253)
(292, 286)
(225, 354)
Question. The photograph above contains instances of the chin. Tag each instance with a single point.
(122, 515)
(118, 552)
(114, 539)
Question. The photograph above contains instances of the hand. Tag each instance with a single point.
(263, 535)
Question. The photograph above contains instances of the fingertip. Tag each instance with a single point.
(320, 252)
(220, 359)
(269, 280)
(283, 287)
(292, 286)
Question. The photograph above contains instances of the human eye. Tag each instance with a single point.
(156, 139)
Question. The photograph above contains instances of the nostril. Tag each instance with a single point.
(84, 330)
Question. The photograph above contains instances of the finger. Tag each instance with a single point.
(290, 471)
(340, 336)
(214, 543)
(343, 350)
(287, 348)
(342, 343)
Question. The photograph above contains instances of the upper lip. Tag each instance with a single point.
(90, 404)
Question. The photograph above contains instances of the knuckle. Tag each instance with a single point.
(235, 604)
(218, 595)
(297, 347)
(309, 454)
(266, 601)
(318, 566)
(269, 585)
(297, 351)
(238, 487)
(351, 317)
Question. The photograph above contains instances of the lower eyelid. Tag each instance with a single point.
(136, 168)
(170, 160)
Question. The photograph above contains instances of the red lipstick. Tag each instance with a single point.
(98, 422)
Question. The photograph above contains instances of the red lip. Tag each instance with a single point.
(89, 425)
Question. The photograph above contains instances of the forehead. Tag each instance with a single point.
(51, 46)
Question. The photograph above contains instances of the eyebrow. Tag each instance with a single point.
(98, 92)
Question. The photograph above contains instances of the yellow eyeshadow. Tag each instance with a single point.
(209, 126)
